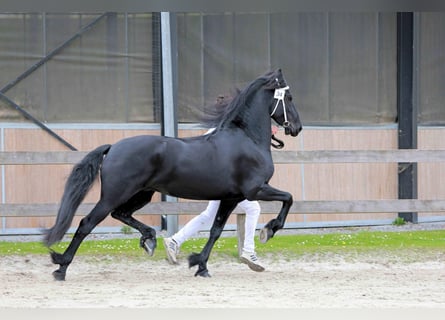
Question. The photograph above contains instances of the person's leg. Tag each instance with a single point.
(248, 256)
(252, 210)
(198, 223)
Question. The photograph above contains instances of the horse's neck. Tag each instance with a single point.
(258, 128)
(254, 119)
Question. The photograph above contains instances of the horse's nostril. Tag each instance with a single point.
(300, 128)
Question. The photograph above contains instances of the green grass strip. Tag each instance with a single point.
(362, 241)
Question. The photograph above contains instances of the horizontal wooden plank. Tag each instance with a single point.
(368, 206)
(50, 209)
(356, 156)
(195, 207)
(315, 156)
(44, 157)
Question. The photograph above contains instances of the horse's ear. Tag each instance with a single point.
(275, 80)
(279, 75)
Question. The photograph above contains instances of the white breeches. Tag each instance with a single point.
(206, 218)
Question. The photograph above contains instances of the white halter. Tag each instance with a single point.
(279, 95)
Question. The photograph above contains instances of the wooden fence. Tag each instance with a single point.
(294, 157)
(317, 156)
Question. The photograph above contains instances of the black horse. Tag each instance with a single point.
(231, 164)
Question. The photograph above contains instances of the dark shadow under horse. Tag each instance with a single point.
(231, 164)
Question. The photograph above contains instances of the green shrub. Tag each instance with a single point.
(126, 229)
(399, 221)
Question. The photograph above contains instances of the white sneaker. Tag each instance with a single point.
(171, 249)
(252, 261)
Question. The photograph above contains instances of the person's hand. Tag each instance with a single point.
(274, 130)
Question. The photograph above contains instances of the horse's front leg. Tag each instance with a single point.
(268, 193)
(225, 209)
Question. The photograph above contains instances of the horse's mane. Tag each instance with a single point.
(227, 107)
(212, 115)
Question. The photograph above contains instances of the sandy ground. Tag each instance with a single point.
(329, 281)
(403, 279)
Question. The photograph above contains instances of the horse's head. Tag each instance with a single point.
(282, 109)
(268, 91)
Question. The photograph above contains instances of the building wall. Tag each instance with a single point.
(430, 181)
(336, 181)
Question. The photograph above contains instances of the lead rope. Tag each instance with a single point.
(278, 145)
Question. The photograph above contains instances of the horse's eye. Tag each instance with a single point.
(290, 98)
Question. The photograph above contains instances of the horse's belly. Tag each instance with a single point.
(197, 186)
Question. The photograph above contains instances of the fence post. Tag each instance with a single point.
(240, 231)
(169, 87)
(406, 109)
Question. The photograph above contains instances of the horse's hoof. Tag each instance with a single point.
(59, 275)
(265, 234)
(203, 273)
(149, 246)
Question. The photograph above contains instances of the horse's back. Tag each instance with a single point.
(203, 167)
(165, 164)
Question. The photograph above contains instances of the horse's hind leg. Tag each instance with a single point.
(86, 225)
(124, 213)
(225, 209)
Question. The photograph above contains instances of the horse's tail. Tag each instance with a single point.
(77, 186)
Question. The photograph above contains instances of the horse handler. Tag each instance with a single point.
(248, 256)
